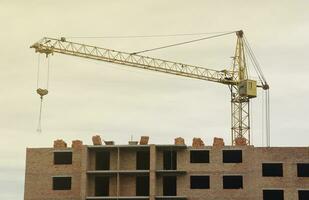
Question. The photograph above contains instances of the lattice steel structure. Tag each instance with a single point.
(233, 78)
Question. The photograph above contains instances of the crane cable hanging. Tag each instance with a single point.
(265, 97)
(41, 91)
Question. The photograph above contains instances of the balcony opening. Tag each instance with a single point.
(303, 169)
(199, 182)
(101, 186)
(62, 183)
(273, 195)
(272, 169)
(232, 182)
(169, 160)
(102, 160)
(169, 186)
(62, 158)
(142, 186)
(142, 160)
(303, 194)
(232, 156)
(199, 156)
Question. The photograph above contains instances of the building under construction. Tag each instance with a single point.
(143, 171)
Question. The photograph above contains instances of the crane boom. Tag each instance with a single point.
(241, 87)
(51, 45)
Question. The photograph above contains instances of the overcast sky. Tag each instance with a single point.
(91, 97)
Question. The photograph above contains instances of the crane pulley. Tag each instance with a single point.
(241, 87)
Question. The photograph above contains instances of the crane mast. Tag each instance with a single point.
(240, 104)
(242, 89)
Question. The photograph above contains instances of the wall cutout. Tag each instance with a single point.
(102, 160)
(232, 156)
(62, 158)
(199, 156)
(62, 183)
(303, 169)
(199, 182)
(273, 195)
(272, 169)
(232, 182)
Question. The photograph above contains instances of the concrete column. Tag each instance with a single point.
(118, 175)
(152, 173)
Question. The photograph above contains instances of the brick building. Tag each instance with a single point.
(163, 172)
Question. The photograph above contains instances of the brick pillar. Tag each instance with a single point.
(152, 173)
(84, 167)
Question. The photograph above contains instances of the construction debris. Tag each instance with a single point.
(197, 143)
(59, 144)
(179, 141)
(218, 142)
(240, 141)
(144, 140)
(96, 140)
(77, 144)
(109, 142)
(133, 142)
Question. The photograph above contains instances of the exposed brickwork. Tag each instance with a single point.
(40, 170)
(60, 144)
(218, 142)
(240, 141)
(197, 143)
(77, 144)
(96, 140)
(179, 141)
(144, 140)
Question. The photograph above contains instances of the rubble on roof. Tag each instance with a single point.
(144, 140)
(197, 143)
(59, 144)
(218, 142)
(179, 141)
(109, 142)
(96, 140)
(77, 144)
(240, 141)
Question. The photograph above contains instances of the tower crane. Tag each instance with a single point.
(241, 87)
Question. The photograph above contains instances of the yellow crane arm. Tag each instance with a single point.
(51, 45)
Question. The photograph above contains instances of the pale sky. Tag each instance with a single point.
(91, 97)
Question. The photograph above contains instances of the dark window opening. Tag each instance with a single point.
(169, 185)
(101, 186)
(303, 169)
(272, 169)
(62, 183)
(232, 182)
(199, 156)
(199, 182)
(273, 195)
(142, 186)
(232, 156)
(62, 158)
(169, 160)
(142, 160)
(303, 194)
(102, 160)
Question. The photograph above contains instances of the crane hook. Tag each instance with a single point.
(41, 92)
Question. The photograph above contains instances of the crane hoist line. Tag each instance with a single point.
(241, 87)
